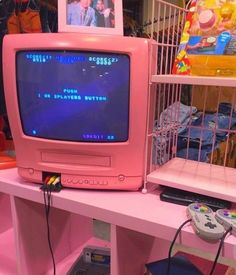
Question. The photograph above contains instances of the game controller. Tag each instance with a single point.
(227, 218)
(204, 222)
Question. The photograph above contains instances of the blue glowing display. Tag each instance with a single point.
(99, 137)
(103, 61)
(68, 96)
(74, 95)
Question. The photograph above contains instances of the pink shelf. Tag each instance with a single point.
(5, 208)
(212, 180)
(194, 80)
(63, 266)
(130, 210)
(8, 265)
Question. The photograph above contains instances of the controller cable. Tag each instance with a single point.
(219, 249)
(217, 254)
(173, 242)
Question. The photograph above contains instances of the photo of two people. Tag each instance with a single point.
(91, 13)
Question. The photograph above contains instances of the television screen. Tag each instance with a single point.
(74, 95)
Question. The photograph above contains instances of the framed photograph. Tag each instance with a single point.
(90, 16)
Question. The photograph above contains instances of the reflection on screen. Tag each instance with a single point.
(74, 96)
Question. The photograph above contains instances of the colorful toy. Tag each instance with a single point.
(210, 30)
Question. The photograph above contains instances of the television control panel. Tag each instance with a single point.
(87, 182)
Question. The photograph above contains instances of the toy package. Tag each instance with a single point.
(208, 42)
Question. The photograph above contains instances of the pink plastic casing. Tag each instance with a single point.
(83, 165)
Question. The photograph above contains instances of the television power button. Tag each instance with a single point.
(31, 171)
(121, 177)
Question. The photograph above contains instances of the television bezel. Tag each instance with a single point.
(120, 165)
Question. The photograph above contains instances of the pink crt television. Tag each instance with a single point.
(78, 107)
